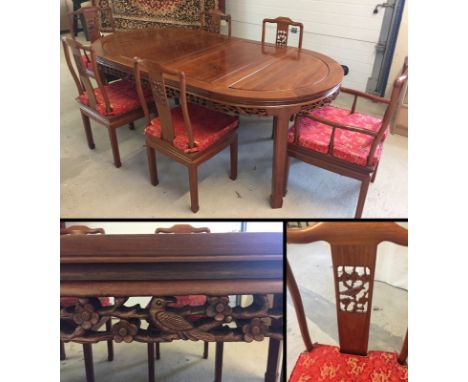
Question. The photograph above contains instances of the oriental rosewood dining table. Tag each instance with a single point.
(216, 265)
(232, 75)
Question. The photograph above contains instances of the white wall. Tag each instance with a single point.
(344, 30)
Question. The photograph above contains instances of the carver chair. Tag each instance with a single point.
(111, 105)
(214, 21)
(353, 251)
(91, 20)
(190, 134)
(71, 301)
(345, 141)
(282, 30)
(190, 300)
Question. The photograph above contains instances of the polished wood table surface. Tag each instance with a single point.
(216, 265)
(233, 75)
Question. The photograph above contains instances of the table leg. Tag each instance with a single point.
(271, 374)
(280, 152)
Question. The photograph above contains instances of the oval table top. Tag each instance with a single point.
(228, 69)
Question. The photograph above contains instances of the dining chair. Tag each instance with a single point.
(214, 21)
(344, 141)
(189, 133)
(189, 300)
(353, 252)
(66, 302)
(282, 30)
(111, 105)
(91, 20)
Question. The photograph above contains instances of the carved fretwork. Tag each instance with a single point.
(353, 288)
(82, 322)
(282, 37)
(159, 92)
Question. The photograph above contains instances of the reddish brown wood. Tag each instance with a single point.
(183, 228)
(282, 30)
(214, 21)
(219, 362)
(82, 78)
(158, 75)
(88, 359)
(366, 173)
(151, 374)
(63, 355)
(403, 356)
(91, 17)
(232, 75)
(81, 230)
(158, 350)
(353, 248)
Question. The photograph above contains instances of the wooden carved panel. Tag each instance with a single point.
(282, 35)
(167, 322)
(353, 288)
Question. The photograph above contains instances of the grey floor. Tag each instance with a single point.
(92, 187)
(181, 361)
(312, 268)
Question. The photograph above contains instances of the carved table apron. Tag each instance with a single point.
(233, 75)
(164, 266)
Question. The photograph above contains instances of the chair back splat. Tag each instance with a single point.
(353, 249)
(158, 75)
(214, 21)
(282, 30)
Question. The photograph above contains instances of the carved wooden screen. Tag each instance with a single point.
(354, 251)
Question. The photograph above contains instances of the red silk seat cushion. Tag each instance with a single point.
(326, 364)
(208, 126)
(123, 98)
(69, 301)
(348, 145)
(191, 300)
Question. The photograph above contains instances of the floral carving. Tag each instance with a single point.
(254, 331)
(85, 314)
(353, 287)
(282, 37)
(125, 330)
(219, 309)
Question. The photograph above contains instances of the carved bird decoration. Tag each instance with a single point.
(174, 323)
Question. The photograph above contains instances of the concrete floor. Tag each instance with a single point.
(312, 269)
(181, 361)
(92, 187)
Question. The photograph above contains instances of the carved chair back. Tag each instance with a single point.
(158, 75)
(353, 250)
(81, 230)
(183, 228)
(214, 21)
(282, 30)
(82, 78)
(92, 19)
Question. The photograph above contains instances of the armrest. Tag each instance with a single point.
(358, 93)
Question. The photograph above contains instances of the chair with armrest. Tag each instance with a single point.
(71, 301)
(111, 105)
(282, 30)
(215, 16)
(190, 300)
(345, 141)
(189, 133)
(91, 20)
(353, 251)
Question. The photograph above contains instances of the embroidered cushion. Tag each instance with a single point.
(69, 301)
(348, 145)
(123, 98)
(326, 364)
(208, 126)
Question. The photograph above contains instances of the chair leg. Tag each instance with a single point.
(63, 355)
(88, 131)
(110, 344)
(219, 362)
(158, 351)
(152, 166)
(286, 175)
(362, 197)
(193, 181)
(375, 173)
(131, 126)
(205, 350)
(233, 148)
(88, 359)
(151, 376)
(115, 146)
